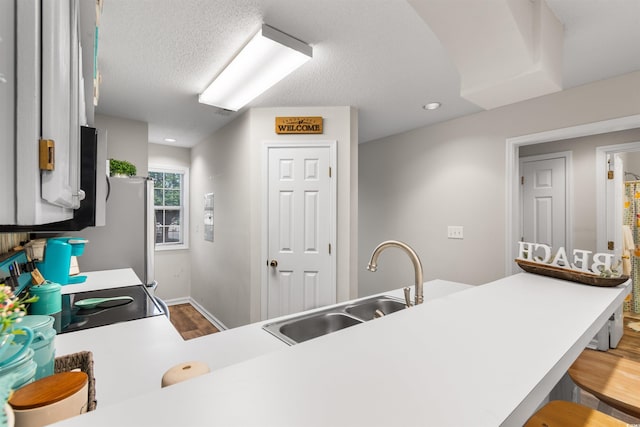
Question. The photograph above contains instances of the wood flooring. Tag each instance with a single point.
(629, 346)
(189, 322)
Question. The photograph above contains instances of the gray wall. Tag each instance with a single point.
(631, 162)
(413, 185)
(584, 178)
(172, 267)
(126, 140)
(220, 270)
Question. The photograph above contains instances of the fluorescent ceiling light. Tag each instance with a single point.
(269, 57)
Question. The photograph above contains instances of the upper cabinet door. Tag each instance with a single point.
(60, 101)
(48, 102)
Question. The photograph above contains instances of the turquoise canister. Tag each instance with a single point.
(21, 370)
(43, 343)
(49, 298)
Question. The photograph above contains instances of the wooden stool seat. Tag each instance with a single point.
(612, 379)
(559, 413)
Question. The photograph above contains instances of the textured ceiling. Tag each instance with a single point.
(155, 56)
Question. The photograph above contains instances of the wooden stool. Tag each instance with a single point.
(559, 413)
(612, 379)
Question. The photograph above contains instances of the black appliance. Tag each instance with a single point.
(74, 319)
(94, 183)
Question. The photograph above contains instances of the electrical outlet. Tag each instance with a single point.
(455, 232)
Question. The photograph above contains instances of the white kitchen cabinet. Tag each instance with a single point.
(45, 100)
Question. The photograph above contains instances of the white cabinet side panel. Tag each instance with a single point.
(7, 110)
(28, 111)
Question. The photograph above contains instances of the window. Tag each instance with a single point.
(170, 195)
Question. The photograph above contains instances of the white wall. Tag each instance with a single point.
(126, 140)
(172, 267)
(226, 274)
(584, 178)
(413, 185)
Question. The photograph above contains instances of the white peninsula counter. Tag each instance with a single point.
(487, 356)
(131, 357)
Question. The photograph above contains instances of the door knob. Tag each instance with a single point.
(273, 263)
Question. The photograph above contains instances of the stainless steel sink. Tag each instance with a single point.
(316, 326)
(312, 325)
(366, 309)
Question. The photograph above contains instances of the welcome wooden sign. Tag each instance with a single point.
(298, 125)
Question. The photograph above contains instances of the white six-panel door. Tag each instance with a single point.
(300, 204)
(544, 201)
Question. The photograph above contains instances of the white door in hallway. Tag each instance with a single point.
(544, 201)
(301, 224)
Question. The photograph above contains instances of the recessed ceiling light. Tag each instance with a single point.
(169, 140)
(432, 106)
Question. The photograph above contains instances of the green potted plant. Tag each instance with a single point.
(121, 168)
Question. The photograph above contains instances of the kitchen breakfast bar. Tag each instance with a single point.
(484, 355)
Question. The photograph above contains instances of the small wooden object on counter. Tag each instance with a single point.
(612, 379)
(50, 399)
(36, 277)
(558, 413)
(183, 372)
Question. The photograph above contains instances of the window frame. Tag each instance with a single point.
(184, 206)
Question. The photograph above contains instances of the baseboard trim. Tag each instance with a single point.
(176, 301)
(210, 317)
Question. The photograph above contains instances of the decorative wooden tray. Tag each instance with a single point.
(572, 275)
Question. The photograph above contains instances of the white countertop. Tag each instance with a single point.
(103, 280)
(145, 349)
(487, 356)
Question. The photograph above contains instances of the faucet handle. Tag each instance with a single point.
(407, 296)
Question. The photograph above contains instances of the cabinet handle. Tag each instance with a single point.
(273, 263)
(47, 154)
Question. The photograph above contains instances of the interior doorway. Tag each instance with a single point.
(512, 155)
(618, 192)
(300, 249)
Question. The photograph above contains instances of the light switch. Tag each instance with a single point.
(455, 232)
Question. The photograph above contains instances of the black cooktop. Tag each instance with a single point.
(73, 318)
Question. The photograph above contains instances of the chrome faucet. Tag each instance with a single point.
(417, 266)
